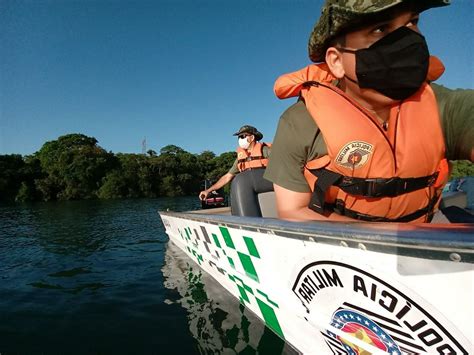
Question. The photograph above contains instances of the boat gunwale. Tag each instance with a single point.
(451, 242)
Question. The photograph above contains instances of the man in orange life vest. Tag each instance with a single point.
(251, 155)
(367, 139)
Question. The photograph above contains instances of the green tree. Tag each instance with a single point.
(136, 176)
(461, 168)
(30, 172)
(206, 162)
(10, 176)
(178, 171)
(151, 153)
(171, 149)
(114, 186)
(74, 166)
(25, 193)
(222, 164)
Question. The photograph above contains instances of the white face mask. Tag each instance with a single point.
(243, 143)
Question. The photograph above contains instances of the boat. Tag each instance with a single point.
(219, 324)
(341, 288)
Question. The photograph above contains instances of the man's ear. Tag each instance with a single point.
(334, 62)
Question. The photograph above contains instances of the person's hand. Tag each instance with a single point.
(203, 195)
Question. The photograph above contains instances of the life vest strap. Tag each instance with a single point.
(250, 158)
(380, 187)
(339, 208)
(326, 178)
(391, 187)
(256, 168)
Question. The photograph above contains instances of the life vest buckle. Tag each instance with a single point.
(382, 187)
(375, 187)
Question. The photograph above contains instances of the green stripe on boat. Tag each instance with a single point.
(248, 266)
(216, 240)
(270, 317)
(227, 238)
(251, 247)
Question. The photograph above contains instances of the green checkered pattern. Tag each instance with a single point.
(240, 262)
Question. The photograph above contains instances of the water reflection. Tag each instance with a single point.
(84, 277)
(218, 322)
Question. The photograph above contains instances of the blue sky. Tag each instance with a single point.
(188, 73)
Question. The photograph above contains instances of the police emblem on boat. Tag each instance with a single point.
(361, 328)
(367, 314)
(354, 154)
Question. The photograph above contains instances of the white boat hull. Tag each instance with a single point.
(342, 288)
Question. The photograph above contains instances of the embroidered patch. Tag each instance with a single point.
(241, 155)
(354, 154)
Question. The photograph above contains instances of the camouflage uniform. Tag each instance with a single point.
(339, 16)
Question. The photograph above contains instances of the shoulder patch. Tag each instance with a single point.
(354, 154)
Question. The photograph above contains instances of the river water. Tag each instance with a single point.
(100, 277)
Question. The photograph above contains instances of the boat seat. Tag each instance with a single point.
(455, 198)
(267, 203)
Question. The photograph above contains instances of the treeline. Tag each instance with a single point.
(75, 167)
(461, 168)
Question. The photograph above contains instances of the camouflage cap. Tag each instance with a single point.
(249, 130)
(338, 16)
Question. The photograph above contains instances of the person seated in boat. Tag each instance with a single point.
(248, 169)
(365, 139)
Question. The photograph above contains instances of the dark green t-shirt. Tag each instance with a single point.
(456, 108)
(298, 141)
(234, 170)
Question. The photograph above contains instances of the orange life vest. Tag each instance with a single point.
(252, 159)
(370, 174)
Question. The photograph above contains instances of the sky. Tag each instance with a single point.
(182, 72)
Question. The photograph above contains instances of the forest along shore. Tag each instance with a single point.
(75, 167)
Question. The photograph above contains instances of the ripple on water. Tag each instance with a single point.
(86, 277)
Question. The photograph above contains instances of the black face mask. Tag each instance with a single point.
(396, 65)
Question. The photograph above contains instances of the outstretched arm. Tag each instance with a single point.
(293, 206)
(224, 179)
